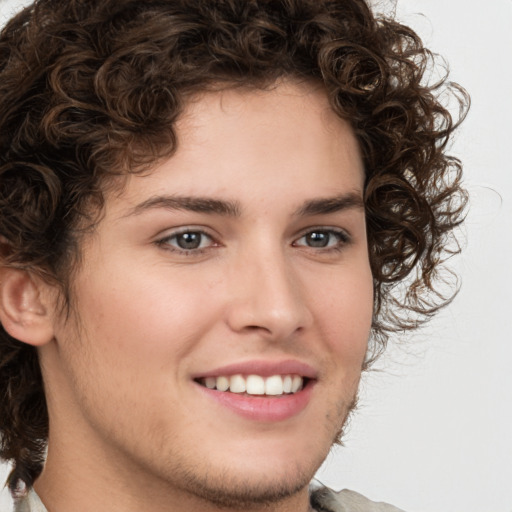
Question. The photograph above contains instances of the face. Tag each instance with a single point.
(224, 305)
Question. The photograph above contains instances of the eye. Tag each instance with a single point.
(185, 241)
(323, 239)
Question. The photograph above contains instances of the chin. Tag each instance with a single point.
(250, 479)
(252, 490)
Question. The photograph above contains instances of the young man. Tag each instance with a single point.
(209, 213)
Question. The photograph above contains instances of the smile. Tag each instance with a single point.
(274, 385)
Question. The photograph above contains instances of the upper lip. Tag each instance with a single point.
(263, 368)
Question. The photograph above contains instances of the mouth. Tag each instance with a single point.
(256, 385)
(260, 390)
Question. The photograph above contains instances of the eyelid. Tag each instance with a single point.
(343, 239)
(342, 235)
(163, 239)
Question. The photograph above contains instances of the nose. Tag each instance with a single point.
(267, 296)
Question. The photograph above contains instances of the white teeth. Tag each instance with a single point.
(210, 382)
(222, 383)
(274, 385)
(296, 383)
(237, 384)
(255, 385)
(287, 384)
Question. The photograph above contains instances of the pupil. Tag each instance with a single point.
(318, 239)
(189, 240)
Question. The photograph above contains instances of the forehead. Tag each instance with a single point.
(243, 143)
(299, 113)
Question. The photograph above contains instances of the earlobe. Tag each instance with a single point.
(24, 313)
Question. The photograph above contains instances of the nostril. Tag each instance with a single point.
(256, 328)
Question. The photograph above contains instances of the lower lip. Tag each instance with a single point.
(263, 408)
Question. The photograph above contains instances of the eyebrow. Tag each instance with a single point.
(328, 205)
(320, 206)
(193, 204)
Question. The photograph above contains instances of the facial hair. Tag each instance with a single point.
(231, 494)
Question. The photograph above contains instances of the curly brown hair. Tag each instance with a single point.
(90, 89)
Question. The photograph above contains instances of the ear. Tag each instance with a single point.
(24, 308)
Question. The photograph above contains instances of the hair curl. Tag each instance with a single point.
(92, 88)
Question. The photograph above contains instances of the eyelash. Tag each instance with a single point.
(341, 236)
(166, 242)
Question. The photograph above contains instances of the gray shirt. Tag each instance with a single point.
(323, 499)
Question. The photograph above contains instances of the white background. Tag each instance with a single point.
(434, 429)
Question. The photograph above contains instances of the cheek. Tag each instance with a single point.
(344, 313)
(144, 316)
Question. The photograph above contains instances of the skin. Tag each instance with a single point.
(127, 420)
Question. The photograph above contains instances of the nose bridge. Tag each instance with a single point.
(268, 295)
